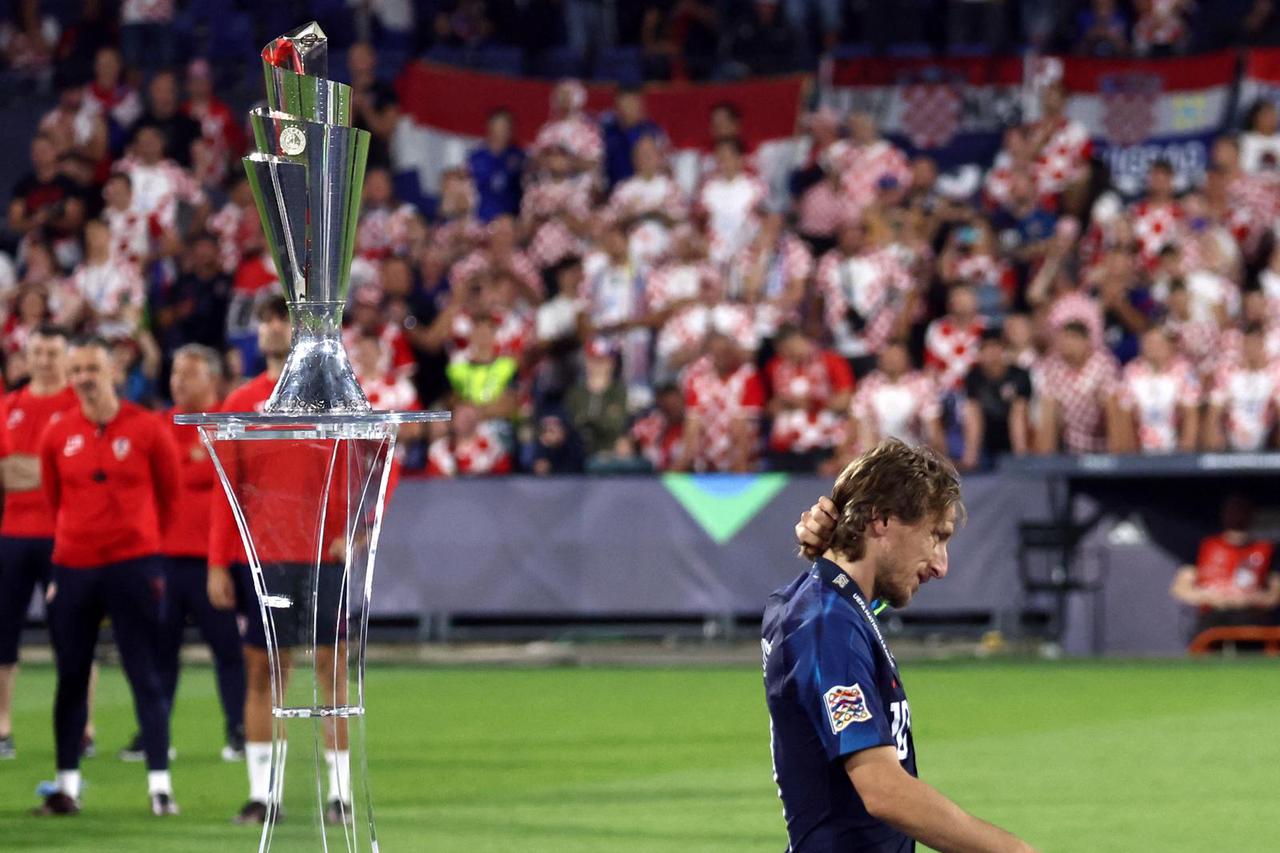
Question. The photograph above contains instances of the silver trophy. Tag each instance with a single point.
(306, 479)
(307, 176)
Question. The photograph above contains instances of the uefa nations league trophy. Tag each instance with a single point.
(306, 478)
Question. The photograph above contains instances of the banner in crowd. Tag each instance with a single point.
(952, 109)
(1136, 111)
(1261, 79)
(446, 110)
(1142, 110)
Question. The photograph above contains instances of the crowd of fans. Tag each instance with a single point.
(649, 39)
(577, 309)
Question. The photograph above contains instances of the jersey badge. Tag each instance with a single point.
(845, 705)
(120, 447)
(15, 418)
(75, 443)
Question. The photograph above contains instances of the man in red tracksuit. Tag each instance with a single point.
(26, 533)
(193, 387)
(110, 472)
(275, 482)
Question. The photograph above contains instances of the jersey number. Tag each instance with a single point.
(901, 727)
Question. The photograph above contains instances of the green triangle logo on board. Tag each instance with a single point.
(722, 504)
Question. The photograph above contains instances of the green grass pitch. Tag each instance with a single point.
(1132, 757)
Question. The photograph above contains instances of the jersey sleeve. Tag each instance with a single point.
(165, 475)
(839, 693)
(49, 469)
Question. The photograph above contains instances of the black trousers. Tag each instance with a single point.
(24, 565)
(132, 594)
(187, 598)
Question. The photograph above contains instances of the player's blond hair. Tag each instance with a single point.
(893, 479)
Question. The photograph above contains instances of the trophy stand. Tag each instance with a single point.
(306, 478)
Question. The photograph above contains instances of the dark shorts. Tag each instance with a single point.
(292, 624)
(25, 565)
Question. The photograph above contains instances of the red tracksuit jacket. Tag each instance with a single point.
(113, 488)
(23, 418)
(188, 535)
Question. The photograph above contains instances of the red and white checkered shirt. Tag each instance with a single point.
(482, 453)
(997, 185)
(482, 261)
(1230, 348)
(658, 439)
(1064, 159)
(1081, 396)
(131, 234)
(875, 286)
(821, 210)
(577, 134)
(385, 231)
(159, 188)
(898, 409)
(690, 326)
(676, 282)
(786, 260)
(514, 330)
(390, 392)
(650, 205)
(813, 383)
(1254, 206)
(1209, 293)
(230, 224)
(951, 348)
(1248, 400)
(109, 288)
(1158, 399)
(1197, 341)
(1156, 226)
(718, 402)
(637, 197)
(396, 355)
(1076, 306)
(545, 202)
(457, 236)
(732, 208)
(863, 167)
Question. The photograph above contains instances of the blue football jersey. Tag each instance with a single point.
(497, 181)
(833, 689)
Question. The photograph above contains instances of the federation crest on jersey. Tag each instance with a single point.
(120, 447)
(75, 443)
(1129, 106)
(16, 417)
(845, 706)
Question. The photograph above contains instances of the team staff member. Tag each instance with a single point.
(844, 758)
(110, 472)
(285, 560)
(26, 532)
(193, 385)
(1233, 581)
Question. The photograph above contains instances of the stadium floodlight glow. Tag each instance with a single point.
(306, 478)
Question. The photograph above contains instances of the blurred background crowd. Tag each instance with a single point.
(579, 309)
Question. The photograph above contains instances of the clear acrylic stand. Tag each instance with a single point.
(307, 493)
